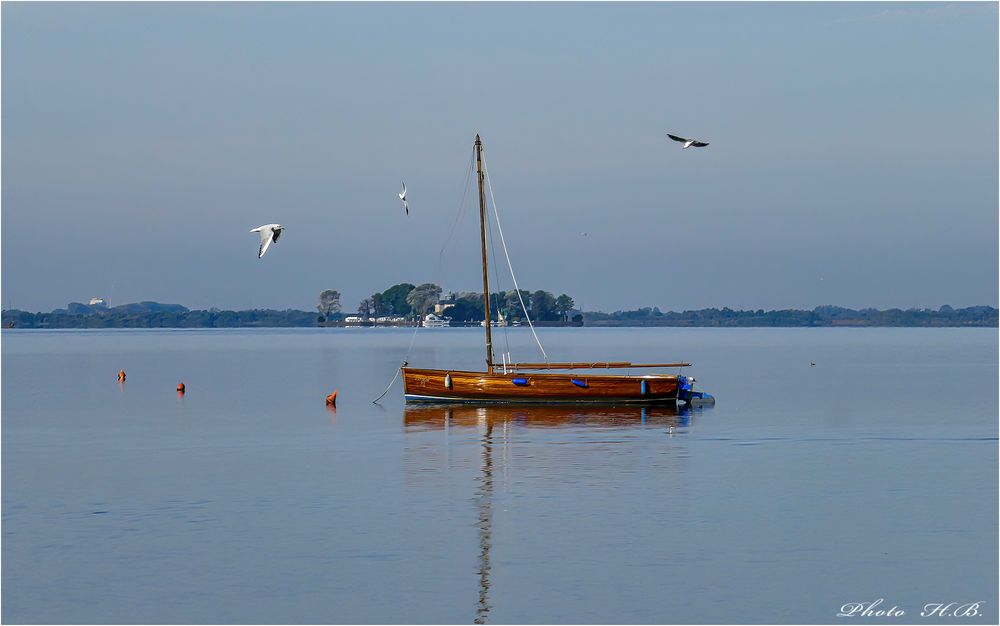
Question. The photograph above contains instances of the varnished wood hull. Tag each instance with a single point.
(427, 385)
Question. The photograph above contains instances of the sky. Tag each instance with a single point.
(853, 155)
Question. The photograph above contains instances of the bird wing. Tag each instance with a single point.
(402, 194)
(266, 237)
(699, 144)
(676, 138)
(406, 205)
(277, 233)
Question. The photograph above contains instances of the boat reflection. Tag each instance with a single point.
(494, 425)
(436, 416)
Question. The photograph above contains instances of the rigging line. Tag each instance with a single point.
(501, 293)
(496, 215)
(460, 215)
(412, 338)
(406, 361)
(496, 275)
(454, 225)
(398, 370)
(517, 290)
(439, 277)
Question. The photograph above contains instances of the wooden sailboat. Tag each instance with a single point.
(526, 383)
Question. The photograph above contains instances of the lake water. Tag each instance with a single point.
(871, 475)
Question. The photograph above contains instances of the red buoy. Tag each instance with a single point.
(331, 400)
(121, 376)
(180, 387)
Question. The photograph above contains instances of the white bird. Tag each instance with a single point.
(402, 196)
(688, 142)
(268, 233)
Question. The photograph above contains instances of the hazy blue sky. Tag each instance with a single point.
(853, 157)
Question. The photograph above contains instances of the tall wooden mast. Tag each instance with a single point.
(482, 230)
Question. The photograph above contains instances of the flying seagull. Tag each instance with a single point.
(688, 142)
(402, 196)
(268, 233)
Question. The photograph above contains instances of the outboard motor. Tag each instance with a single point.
(686, 392)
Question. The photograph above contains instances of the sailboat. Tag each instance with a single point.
(532, 383)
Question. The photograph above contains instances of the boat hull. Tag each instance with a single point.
(428, 385)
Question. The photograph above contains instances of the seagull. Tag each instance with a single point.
(268, 233)
(402, 196)
(688, 142)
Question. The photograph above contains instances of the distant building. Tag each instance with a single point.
(98, 302)
(443, 305)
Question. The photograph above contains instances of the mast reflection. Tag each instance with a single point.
(484, 496)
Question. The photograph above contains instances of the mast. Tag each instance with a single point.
(482, 230)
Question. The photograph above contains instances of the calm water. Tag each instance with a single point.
(872, 474)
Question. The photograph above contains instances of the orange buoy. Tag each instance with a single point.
(121, 376)
(180, 387)
(331, 400)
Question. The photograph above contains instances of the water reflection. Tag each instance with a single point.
(437, 416)
(495, 424)
(484, 497)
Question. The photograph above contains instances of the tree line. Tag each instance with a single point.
(468, 307)
(826, 315)
(174, 318)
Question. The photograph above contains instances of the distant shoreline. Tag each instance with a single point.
(156, 315)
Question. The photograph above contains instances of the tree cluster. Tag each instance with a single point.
(393, 301)
(542, 306)
(329, 304)
(416, 301)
